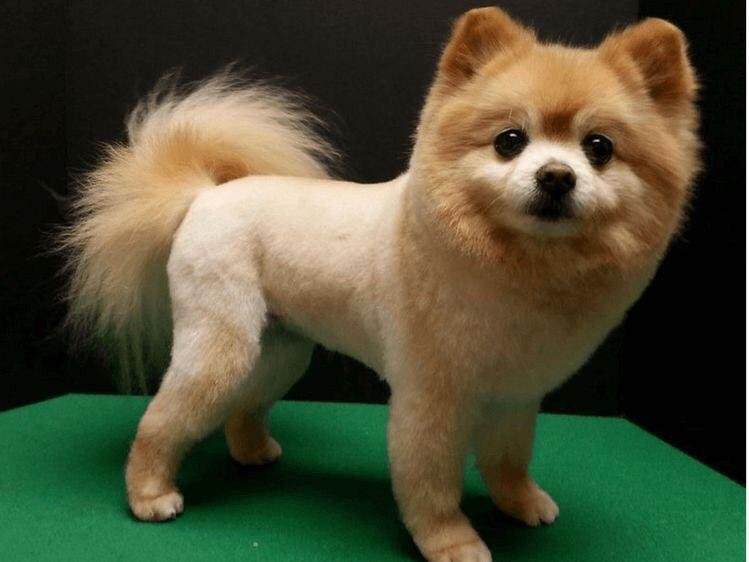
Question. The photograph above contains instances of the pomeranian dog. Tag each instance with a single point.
(544, 187)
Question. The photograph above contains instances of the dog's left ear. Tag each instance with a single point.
(658, 51)
(477, 37)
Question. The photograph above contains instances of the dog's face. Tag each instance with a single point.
(544, 146)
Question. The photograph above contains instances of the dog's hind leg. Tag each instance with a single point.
(219, 316)
(284, 359)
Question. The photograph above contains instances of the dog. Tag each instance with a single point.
(544, 187)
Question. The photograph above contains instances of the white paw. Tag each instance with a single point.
(475, 551)
(530, 504)
(269, 452)
(160, 508)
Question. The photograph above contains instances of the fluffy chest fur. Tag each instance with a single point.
(506, 331)
(515, 343)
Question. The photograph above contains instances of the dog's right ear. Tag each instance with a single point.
(658, 51)
(477, 37)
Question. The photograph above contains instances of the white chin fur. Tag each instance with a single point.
(541, 228)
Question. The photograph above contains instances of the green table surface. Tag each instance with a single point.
(623, 494)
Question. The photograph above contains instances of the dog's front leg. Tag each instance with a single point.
(427, 436)
(504, 445)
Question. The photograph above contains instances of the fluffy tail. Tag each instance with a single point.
(129, 207)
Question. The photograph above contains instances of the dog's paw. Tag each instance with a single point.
(451, 540)
(159, 508)
(529, 504)
(474, 551)
(249, 455)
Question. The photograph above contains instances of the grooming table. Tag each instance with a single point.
(623, 494)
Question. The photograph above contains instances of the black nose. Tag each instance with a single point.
(555, 178)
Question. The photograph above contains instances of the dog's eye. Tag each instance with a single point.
(598, 148)
(510, 142)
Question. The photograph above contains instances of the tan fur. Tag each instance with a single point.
(441, 280)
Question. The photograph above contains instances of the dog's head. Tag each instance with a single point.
(583, 153)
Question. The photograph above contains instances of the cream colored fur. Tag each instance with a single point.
(472, 313)
(180, 140)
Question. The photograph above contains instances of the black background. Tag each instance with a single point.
(72, 69)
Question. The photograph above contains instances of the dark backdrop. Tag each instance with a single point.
(73, 68)
(684, 353)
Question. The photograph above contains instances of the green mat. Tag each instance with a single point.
(623, 494)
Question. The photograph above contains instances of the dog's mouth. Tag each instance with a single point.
(550, 209)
